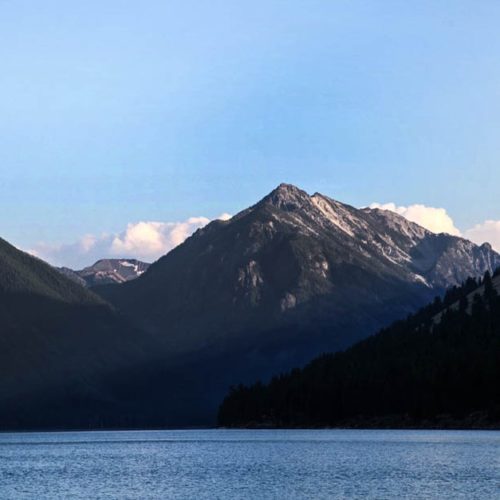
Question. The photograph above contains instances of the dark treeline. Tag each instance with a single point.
(440, 364)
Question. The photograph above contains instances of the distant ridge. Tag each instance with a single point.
(107, 271)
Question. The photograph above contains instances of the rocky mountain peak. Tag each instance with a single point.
(287, 197)
(288, 278)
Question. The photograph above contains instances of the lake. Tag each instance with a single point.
(251, 464)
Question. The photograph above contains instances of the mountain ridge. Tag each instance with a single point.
(394, 250)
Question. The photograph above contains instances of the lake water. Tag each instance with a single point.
(251, 464)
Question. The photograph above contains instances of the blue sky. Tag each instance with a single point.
(117, 112)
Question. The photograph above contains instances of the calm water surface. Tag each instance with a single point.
(251, 464)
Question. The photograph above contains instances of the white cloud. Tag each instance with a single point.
(153, 239)
(434, 219)
(224, 216)
(146, 240)
(488, 231)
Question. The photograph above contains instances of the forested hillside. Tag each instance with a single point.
(440, 366)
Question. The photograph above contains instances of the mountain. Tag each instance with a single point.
(281, 282)
(439, 367)
(287, 279)
(107, 271)
(295, 260)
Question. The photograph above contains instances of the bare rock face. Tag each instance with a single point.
(289, 301)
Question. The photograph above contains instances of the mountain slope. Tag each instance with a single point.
(417, 372)
(107, 271)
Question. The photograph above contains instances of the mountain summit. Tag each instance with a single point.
(292, 249)
(287, 197)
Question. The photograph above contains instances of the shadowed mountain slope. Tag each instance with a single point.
(67, 359)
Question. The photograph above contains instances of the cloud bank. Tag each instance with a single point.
(146, 240)
(438, 220)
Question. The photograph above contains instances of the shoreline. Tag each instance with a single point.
(479, 420)
(254, 426)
